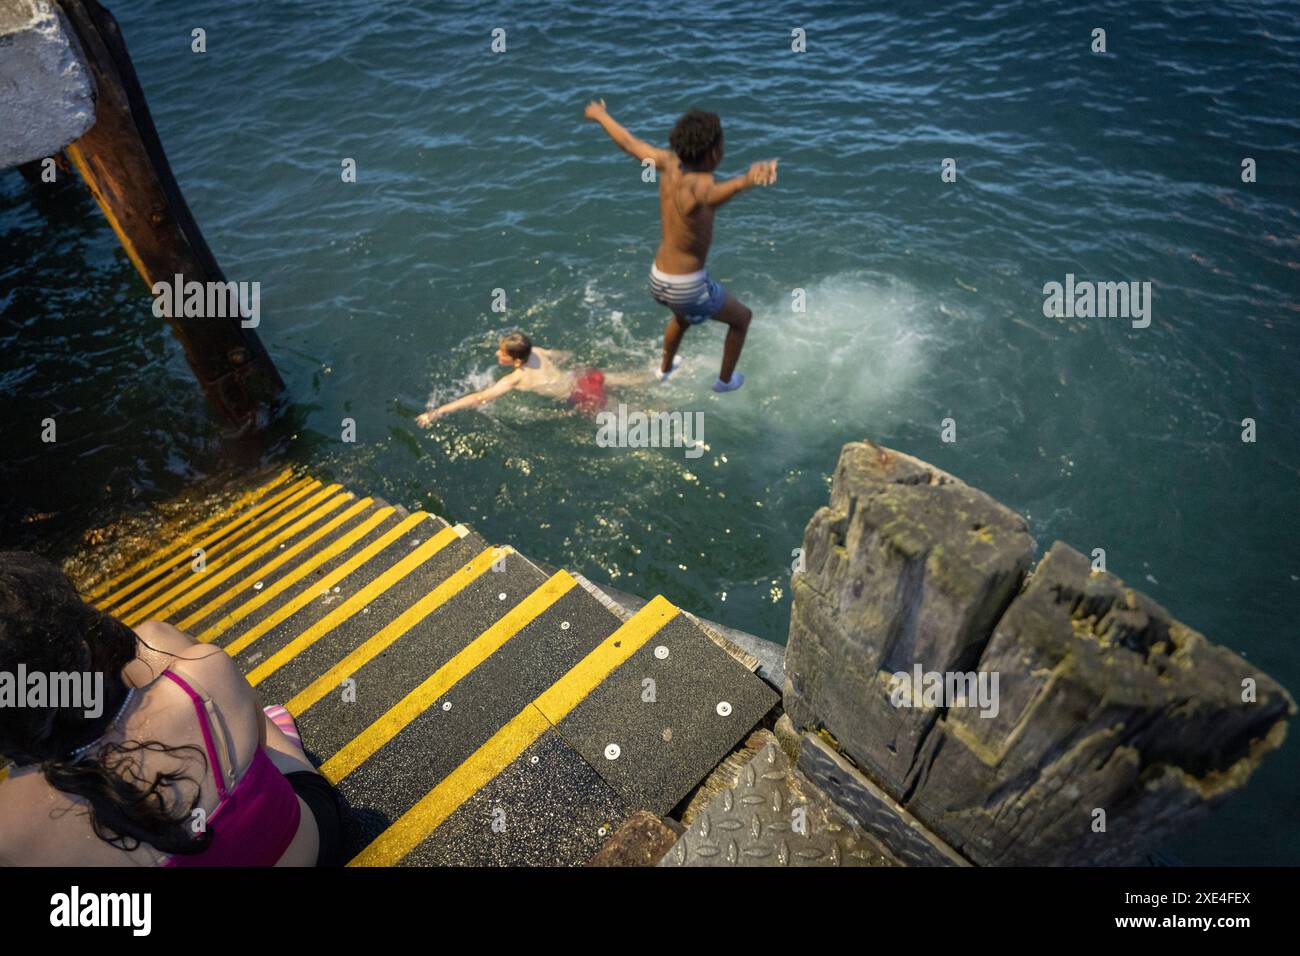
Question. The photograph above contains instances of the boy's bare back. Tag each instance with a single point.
(688, 198)
(686, 219)
(545, 373)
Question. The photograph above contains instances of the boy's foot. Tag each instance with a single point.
(737, 380)
(664, 376)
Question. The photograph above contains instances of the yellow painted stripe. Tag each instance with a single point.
(262, 571)
(308, 513)
(325, 555)
(179, 545)
(368, 742)
(207, 541)
(315, 588)
(213, 543)
(257, 537)
(567, 692)
(368, 593)
(374, 646)
(412, 827)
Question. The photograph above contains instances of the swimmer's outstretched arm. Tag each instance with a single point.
(472, 400)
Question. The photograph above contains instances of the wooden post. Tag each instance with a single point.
(1057, 719)
(122, 161)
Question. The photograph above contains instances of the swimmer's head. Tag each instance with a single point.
(697, 140)
(514, 349)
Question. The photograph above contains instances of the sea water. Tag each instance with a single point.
(478, 181)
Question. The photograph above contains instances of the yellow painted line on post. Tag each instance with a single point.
(308, 513)
(366, 595)
(368, 742)
(505, 746)
(93, 183)
(309, 593)
(215, 543)
(413, 615)
(262, 571)
(260, 538)
(179, 545)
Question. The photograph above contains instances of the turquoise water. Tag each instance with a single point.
(476, 172)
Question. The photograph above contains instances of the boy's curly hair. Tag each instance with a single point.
(695, 135)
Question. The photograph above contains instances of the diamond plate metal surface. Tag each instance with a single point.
(873, 809)
(768, 819)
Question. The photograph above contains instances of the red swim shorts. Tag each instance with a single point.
(589, 391)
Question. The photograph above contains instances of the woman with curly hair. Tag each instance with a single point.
(177, 765)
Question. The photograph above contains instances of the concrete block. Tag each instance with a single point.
(47, 97)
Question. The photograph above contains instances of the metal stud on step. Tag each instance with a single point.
(446, 705)
(724, 709)
(612, 752)
(661, 652)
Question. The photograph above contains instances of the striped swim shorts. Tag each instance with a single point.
(695, 297)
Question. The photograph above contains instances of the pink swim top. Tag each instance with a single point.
(255, 820)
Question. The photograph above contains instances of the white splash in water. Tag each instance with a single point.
(852, 359)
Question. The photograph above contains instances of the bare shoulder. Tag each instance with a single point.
(210, 665)
(161, 636)
(692, 188)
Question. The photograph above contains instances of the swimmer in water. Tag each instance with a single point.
(688, 198)
(544, 371)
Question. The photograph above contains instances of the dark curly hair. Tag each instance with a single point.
(695, 135)
(46, 626)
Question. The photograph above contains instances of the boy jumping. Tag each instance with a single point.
(688, 196)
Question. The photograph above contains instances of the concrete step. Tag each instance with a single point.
(292, 530)
(164, 567)
(310, 555)
(470, 706)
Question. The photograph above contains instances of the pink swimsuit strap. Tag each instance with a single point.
(259, 815)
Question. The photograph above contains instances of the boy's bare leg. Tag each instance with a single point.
(736, 315)
(628, 379)
(677, 327)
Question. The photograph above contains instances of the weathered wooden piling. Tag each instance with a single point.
(1113, 725)
(121, 159)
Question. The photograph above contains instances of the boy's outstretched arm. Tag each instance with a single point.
(762, 173)
(638, 149)
(473, 399)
